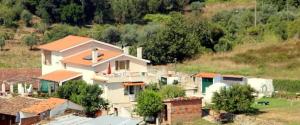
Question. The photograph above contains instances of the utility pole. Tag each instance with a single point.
(255, 13)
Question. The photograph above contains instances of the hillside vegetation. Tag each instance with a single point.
(208, 35)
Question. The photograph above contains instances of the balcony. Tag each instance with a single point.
(122, 77)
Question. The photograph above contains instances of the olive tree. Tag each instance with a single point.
(2, 42)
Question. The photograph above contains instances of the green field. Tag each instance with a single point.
(281, 110)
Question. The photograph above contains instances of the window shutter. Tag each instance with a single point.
(117, 65)
(127, 64)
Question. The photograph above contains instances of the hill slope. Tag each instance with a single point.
(271, 60)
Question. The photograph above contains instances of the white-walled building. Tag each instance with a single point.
(119, 74)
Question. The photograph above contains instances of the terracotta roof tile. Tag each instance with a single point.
(206, 75)
(233, 76)
(79, 58)
(60, 75)
(11, 106)
(183, 99)
(44, 105)
(65, 43)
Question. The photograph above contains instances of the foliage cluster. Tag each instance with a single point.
(235, 99)
(81, 93)
(150, 101)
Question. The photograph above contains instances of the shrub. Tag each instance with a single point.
(31, 40)
(149, 103)
(236, 99)
(171, 91)
(26, 16)
(286, 85)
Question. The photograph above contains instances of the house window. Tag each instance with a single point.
(122, 65)
(129, 90)
(47, 59)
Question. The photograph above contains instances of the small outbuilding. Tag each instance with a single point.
(182, 109)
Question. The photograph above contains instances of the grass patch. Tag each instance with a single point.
(201, 121)
(281, 110)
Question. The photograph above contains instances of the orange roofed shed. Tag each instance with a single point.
(206, 75)
(60, 76)
(65, 43)
(44, 105)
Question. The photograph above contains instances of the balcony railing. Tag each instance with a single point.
(122, 77)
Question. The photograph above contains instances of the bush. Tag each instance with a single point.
(26, 16)
(31, 40)
(286, 85)
(236, 99)
(171, 91)
(149, 103)
(59, 31)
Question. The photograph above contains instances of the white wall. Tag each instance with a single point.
(25, 115)
(134, 66)
(58, 110)
(87, 72)
(115, 93)
(87, 46)
(55, 63)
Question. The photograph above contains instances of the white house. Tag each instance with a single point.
(119, 74)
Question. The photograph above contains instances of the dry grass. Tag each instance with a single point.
(212, 7)
(267, 59)
(17, 55)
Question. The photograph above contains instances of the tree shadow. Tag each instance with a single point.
(4, 50)
(34, 49)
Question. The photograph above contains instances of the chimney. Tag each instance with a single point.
(139, 52)
(126, 50)
(94, 55)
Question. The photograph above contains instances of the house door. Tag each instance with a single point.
(206, 82)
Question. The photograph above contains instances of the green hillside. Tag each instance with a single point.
(227, 36)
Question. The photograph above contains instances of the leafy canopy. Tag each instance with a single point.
(171, 91)
(81, 93)
(149, 103)
(236, 99)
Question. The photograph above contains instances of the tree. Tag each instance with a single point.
(72, 14)
(81, 93)
(111, 35)
(31, 40)
(26, 16)
(2, 42)
(149, 103)
(171, 91)
(236, 99)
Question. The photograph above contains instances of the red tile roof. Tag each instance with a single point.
(79, 58)
(206, 75)
(44, 105)
(64, 43)
(60, 75)
(11, 106)
(22, 75)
